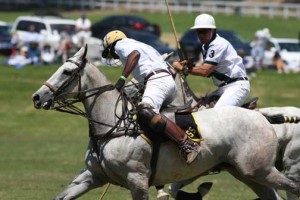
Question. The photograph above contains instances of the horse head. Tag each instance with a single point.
(63, 83)
(77, 80)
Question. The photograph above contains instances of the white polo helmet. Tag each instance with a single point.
(204, 21)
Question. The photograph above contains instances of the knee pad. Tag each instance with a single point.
(146, 116)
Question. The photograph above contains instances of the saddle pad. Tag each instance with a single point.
(188, 124)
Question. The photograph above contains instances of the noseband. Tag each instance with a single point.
(56, 90)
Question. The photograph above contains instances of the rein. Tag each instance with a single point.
(67, 106)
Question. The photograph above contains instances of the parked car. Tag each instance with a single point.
(150, 39)
(49, 28)
(101, 28)
(289, 49)
(191, 45)
(5, 38)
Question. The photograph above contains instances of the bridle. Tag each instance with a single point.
(76, 74)
(68, 105)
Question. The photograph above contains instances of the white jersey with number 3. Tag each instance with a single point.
(221, 54)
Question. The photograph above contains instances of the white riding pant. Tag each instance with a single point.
(233, 94)
(160, 89)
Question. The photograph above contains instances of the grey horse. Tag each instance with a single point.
(287, 154)
(289, 143)
(235, 137)
(287, 157)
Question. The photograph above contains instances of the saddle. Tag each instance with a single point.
(209, 102)
(252, 104)
(178, 109)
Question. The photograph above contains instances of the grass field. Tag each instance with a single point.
(41, 151)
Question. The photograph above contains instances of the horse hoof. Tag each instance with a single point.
(181, 195)
(163, 196)
(204, 188)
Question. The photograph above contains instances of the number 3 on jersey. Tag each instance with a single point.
(211, 53)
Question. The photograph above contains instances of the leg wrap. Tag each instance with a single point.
(148, 117)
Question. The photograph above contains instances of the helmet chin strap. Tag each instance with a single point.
(213, 33)
(114, 55)
(112, 50)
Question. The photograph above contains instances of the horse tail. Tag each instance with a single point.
(281, 119)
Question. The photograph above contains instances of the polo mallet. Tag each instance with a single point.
(180, 53)
(104, 192)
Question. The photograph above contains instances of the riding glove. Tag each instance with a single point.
(120, 84)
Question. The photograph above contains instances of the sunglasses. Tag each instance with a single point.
(203, 31)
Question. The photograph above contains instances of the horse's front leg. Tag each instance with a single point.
(84, 182)
(138, 185)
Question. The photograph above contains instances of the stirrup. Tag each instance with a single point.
(189, 150)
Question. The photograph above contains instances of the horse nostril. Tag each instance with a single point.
(36, 101)
(36, 97)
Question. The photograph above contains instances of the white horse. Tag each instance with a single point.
(236, 137)
(289, 143)
(287, 153)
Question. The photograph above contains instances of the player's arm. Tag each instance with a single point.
(202, 70)
(205, 69)
(132, 61)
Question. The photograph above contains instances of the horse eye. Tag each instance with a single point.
(66, 72)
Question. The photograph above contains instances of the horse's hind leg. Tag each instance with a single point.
(273, 178)
(262, 191)
(84, 182)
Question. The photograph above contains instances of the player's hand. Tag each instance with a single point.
(179, 65)
(120, 84)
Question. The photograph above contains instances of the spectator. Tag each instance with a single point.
(47, 54)
(257, 53)
(83, 28)
(15, 41)
(259, 44)
(65, 43)
(278, 63)
(19, 60)
(32, 40)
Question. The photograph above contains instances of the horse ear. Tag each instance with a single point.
(81, 53)
(85, 51)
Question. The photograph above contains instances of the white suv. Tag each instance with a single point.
(49, 28)
(289, 50)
